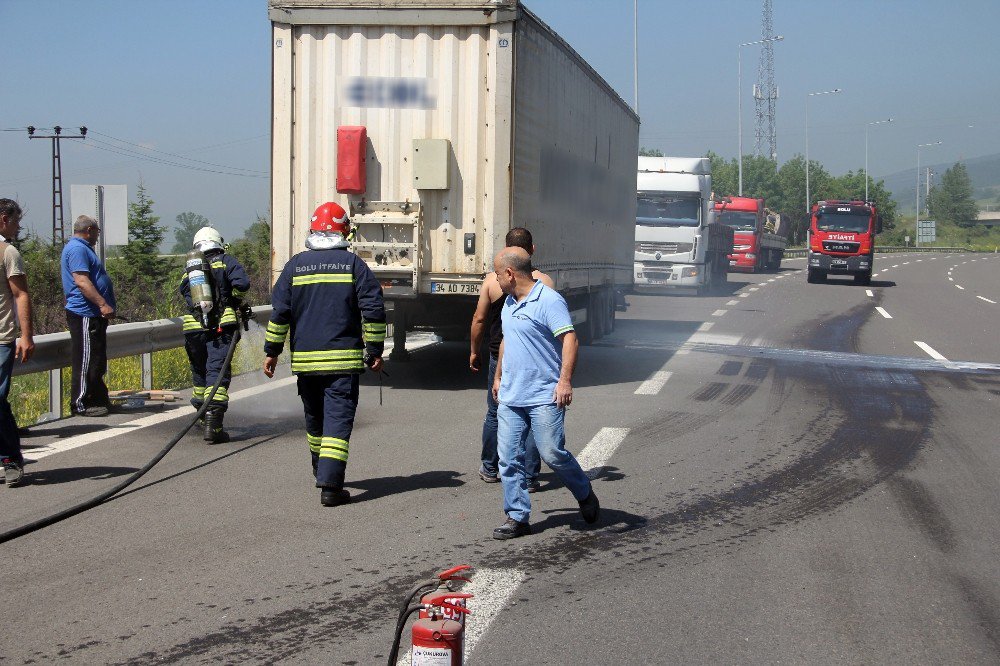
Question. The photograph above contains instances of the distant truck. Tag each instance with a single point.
(440, 125)
(842, 240)
(755, 247)
(677, 242)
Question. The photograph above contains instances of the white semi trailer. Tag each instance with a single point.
(441, 125)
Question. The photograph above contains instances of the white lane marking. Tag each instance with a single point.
(598, 451)
(882, 312)
(492, 588)
(771, 280)
(951, 279)
(960, 287)
(930, 350)
(732, 302)
(182, 411)
(654, 384)
(753, 289)
(874, 274)
(869, 292)
(919, 260)
(744, 295)
(705, 327)
(144, 422)
(906, 263)
(719, 313)
(895, 266)
(986, 299)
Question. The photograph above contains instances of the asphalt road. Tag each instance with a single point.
(786, 475)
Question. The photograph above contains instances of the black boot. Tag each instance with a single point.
(334, 497)
(213, 425)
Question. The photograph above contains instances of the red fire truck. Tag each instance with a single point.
(755, 247)
(842, 240)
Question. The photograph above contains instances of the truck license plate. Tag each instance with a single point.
(454, 287)
(838, 262)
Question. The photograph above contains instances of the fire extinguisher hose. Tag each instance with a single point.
(400, 625)
(10, 535)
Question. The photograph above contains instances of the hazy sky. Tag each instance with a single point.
(192, 78)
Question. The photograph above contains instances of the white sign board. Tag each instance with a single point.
(108, 204)
(926, 231)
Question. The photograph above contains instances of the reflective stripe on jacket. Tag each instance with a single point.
(330, 305)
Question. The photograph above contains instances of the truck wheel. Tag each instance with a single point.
(815, 276)
(863, 279)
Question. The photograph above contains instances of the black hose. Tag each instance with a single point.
(413, 593)
(103, 497)
(400, 625)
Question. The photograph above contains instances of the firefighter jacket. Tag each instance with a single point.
(231, 282)
(330, 303)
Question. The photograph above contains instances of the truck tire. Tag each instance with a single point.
(587, 330)
(863, 279)
(814, 276)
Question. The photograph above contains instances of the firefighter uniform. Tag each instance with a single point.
(207, 348)
(330, 305)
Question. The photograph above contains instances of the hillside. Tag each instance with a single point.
(984, 172)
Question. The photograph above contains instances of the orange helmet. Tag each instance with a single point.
(331, 217)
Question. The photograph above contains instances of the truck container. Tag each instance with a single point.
(842, 240)
(476, 117)
(756, 247)
(677, 241)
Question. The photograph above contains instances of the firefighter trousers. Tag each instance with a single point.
(330, 402)
(206, 352)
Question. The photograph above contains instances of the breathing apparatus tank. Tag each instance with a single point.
(201, 281)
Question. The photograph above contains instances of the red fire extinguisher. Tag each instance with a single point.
(438, 636)
(439, 641)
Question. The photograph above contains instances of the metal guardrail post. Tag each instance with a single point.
(147, 371)
(55, 395)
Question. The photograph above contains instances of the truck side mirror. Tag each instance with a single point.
(878, 224)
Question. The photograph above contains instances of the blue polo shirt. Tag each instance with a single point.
(78, 256)
(532, 354)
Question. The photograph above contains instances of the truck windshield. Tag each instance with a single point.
(739, 221)
(659, 209)
(855, 222)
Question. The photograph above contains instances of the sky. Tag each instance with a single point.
(161, 83)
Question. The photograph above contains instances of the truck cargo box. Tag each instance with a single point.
(479, 118)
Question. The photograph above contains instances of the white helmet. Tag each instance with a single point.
(207, 239)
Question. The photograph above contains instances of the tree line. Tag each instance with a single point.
(145, 282)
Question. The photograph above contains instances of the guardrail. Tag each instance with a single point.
(53, 351)
(886, 249)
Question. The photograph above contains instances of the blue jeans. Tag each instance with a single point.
(10, 441)
(490, 458)
(545, 422)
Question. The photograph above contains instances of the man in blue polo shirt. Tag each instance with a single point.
(533, 386)
(90, 303)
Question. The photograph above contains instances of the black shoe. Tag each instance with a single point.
(93, 411)
(331, 497)
(511, 529)
(487, 477)
(590, 508)
(12, 473)
(533, 485)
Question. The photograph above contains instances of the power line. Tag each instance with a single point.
(182, 157)
(128, 152)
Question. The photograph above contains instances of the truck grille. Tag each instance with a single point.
(841, 246)
(663, 248)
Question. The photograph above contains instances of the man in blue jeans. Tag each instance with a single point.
(487, 320)
(16, 340)
(533, 386)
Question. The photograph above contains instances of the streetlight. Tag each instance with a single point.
(739, 90)
(877, 122)
(917, 224)
(812, 94)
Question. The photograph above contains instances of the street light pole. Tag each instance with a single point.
(877, 122)
(812, 94)
(916, 230)
(739, 90)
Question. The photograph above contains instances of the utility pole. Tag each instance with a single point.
(58, 230)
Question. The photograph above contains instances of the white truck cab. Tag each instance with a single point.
(676, 242)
